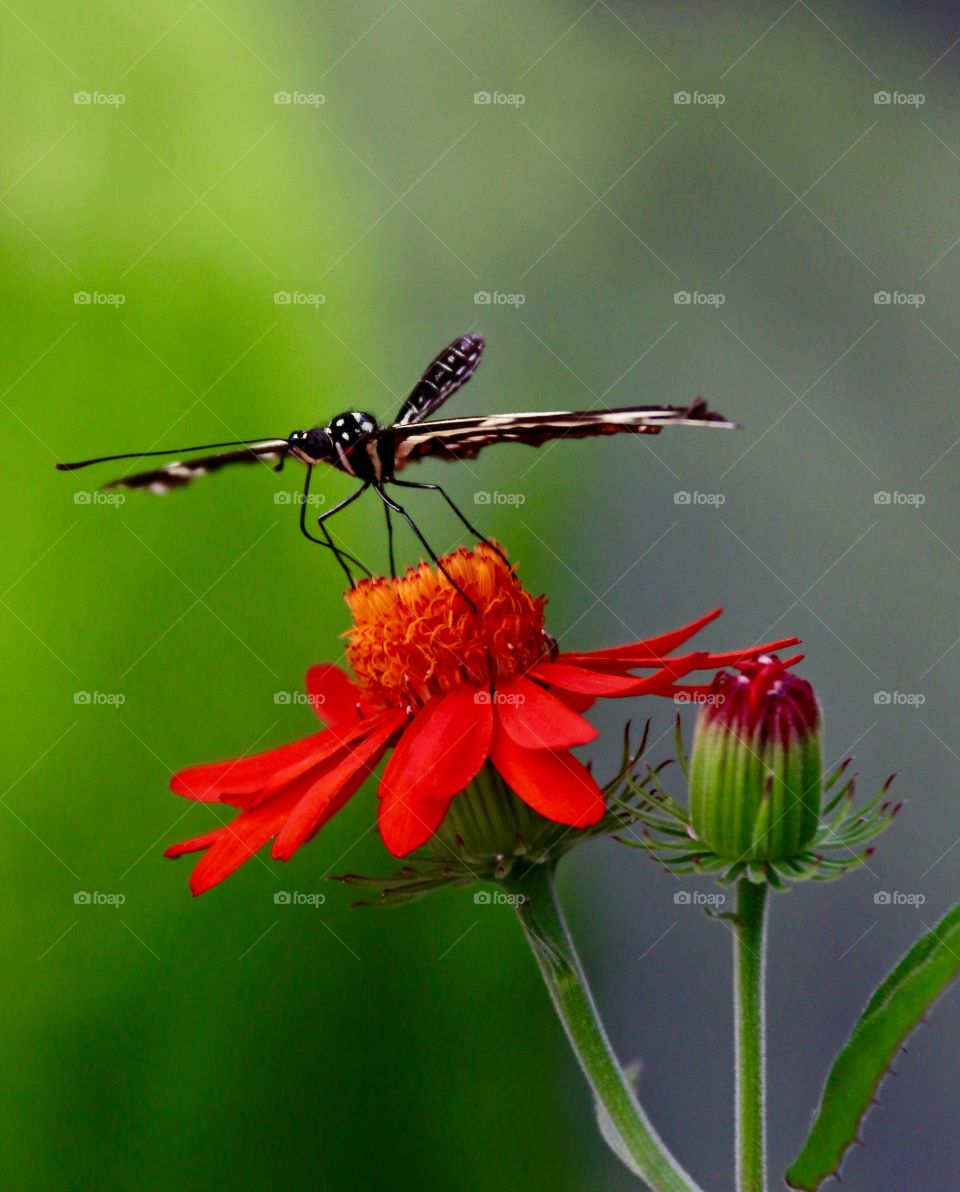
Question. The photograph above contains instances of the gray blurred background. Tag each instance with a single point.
(171, 1043)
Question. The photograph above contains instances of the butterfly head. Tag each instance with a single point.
(312, 446)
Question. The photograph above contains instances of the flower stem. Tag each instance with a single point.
(550, 940)
(749, 959)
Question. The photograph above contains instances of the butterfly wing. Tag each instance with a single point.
(465, 438)
(182, 471)
(455, 365)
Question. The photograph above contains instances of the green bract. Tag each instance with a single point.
(486, 835)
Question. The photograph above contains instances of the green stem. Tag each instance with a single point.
(553, 948)
(749, 958)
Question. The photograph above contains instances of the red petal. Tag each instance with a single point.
(732, 657)
(538, 720)
(228, 847)
(328, 793)
(574, 699)
(442, 750)
(552, 782)
(243, 775)
(195, 845)
(579, 679)
(335, 738)
(650, 649)
(404, 827)
(332, 693)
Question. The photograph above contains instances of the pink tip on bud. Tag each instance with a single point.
(764, 699)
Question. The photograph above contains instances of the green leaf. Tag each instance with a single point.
(895, 1009)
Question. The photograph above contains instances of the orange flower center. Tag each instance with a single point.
(416, 636)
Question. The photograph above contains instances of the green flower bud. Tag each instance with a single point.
(755, 776)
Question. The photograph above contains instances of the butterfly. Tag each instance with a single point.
(374, 453)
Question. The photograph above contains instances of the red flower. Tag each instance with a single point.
(447, 690)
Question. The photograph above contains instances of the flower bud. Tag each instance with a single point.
(755, 776)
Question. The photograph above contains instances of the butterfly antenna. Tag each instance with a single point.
(106, 459)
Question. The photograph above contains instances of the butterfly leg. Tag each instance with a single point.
(327, 541)
(391, 504)
(342, 554)
(393, 563)
(446, 496)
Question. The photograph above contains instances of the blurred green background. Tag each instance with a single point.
(172, 1043)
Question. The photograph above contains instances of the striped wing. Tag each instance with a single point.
(182, 471)
(465, 438)
(455, 365)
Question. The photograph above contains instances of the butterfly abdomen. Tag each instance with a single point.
(443, 376)
(454, 364)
